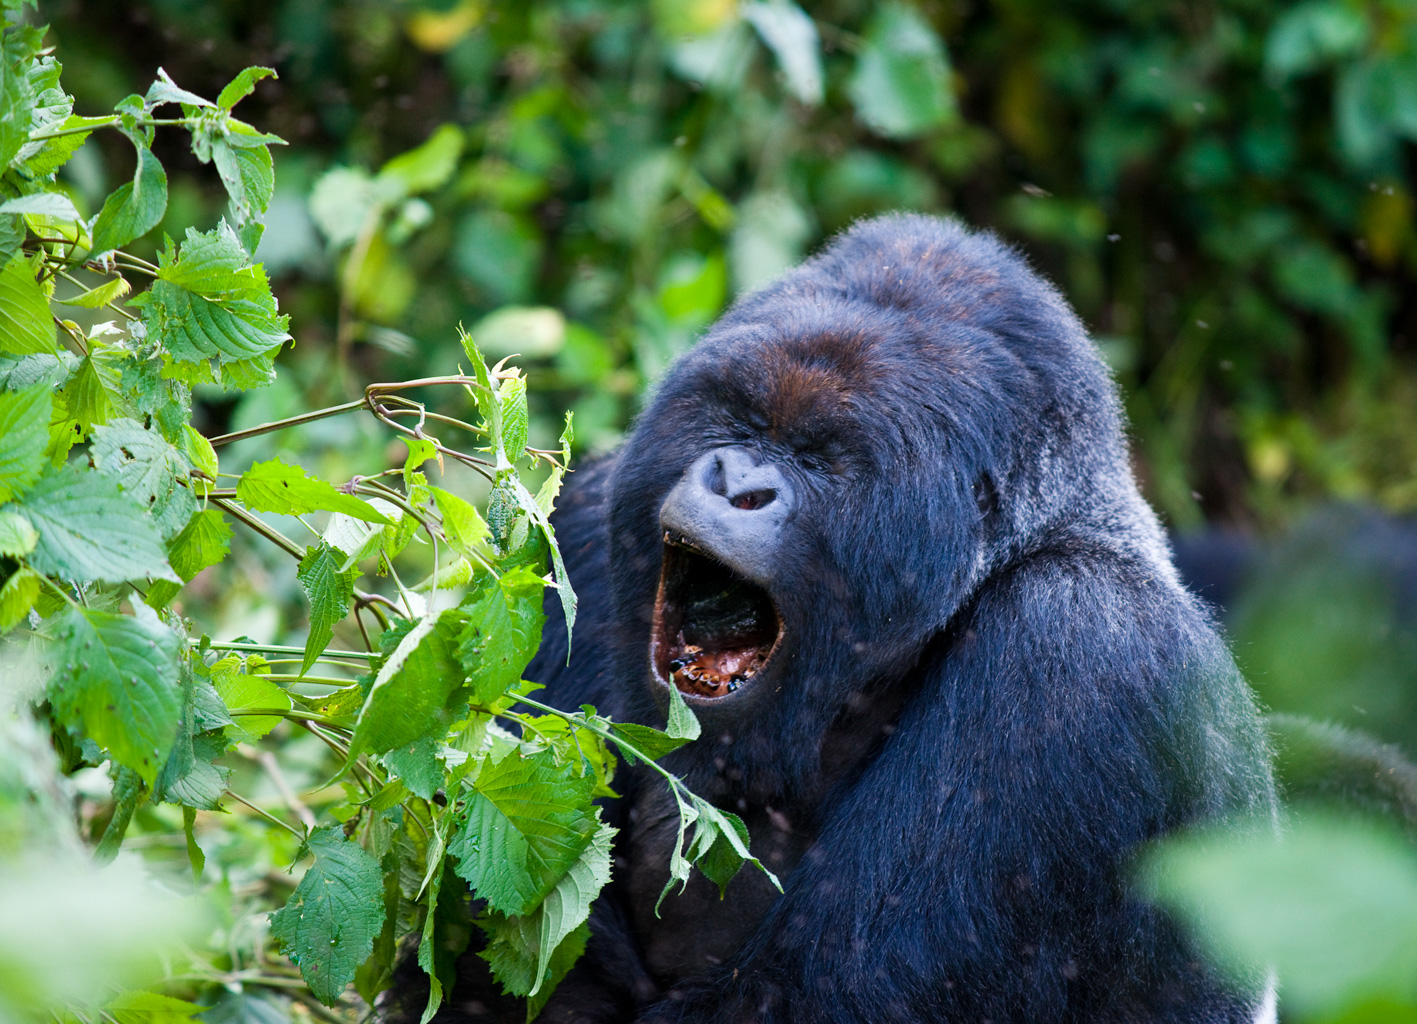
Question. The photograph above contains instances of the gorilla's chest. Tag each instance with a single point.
(695, 929)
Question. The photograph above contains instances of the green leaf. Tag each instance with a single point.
(17, 102)
(329, 591)
(89, 530)
(46, 204)
(243, 691)
(97, 298)
(648, 744)
(242, 86)
(150, 1008)
(26, 325)
(1329, 906)
(248, 174)
(149, 469)
(515, 419)
(682, 723)
(1309, 35)
(204, 541)
(901, 85)
(165, 90)
(417, 765)
(128, 794)
(17, 536)
(51, 154)
(118, 682)
(88, 399)
(789, 33)
(527, 824)
(24, 431)
(462, 524)
(276, 486)
(513, 944)
(426, 167)
(328, 926)
(567, 906)
(211, 304)
(17, 596)
(502, 633)
(133, 209)
(415, 690)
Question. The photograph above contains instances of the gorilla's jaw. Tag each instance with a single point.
(714, 631)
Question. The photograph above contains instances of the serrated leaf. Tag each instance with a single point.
(416, 688)
(417, 765)
(244, 691)
(24, 430)
(462, 524)
(248, 174)
(243, 85)
(17, 536)
(17, 102)
(276, 486)
(329, 591)
(210, 303)
(515, 418)
(51, 368)
(649, 744)
(527, 822)
(328, 926)
(135, 208)
(89, 398)
(512, 954)
(720, 846)
(26, 325)
(567, 906)
(97, 298)
(502, 632)
(89, 530)
(47, 155)
(204, 541)
(148, 468)
(118, 682)
(17, 596)
(682, 723)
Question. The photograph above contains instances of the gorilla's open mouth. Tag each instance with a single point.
(713, 629)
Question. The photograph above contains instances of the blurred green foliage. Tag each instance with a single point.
(1223, 191)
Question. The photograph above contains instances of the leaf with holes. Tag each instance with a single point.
(118, 682)
(328, 926)
(150, 470)
(89, 530)
(503, 630)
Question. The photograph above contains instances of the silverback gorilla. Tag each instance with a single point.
(879, 527)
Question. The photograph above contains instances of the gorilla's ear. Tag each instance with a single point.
(986, 495)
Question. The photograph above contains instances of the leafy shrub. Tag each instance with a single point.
(111, 503)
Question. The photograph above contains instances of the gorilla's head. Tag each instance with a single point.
(819, 486)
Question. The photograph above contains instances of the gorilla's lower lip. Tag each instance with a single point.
(713, 630)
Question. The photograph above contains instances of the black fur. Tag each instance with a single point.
(992, 689)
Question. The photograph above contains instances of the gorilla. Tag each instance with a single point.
(879, 528)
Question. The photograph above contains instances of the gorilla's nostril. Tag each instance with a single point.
(752, 500)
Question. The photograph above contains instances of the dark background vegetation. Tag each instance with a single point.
(1223, 190)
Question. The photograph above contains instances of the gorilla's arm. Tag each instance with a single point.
(971, 872)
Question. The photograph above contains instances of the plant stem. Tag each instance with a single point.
(267, 815)
(291, 421)
(271, 534)
(284, 649)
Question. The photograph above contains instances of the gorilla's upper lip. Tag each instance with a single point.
(714, 629)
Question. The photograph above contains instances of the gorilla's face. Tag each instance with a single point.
(795, 519)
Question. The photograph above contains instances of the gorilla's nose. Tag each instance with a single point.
(734, 506)
(736, 475)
